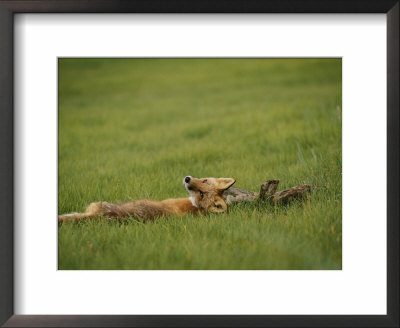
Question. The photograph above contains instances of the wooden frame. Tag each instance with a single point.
(9, 8)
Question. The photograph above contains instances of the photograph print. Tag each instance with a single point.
(199, 164)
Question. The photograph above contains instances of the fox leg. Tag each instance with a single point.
(94, 209)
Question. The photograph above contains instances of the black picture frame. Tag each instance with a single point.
(11, 7)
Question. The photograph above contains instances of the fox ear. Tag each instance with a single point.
(219, 206)
(225, 183)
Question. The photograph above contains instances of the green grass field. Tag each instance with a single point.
(133, 128)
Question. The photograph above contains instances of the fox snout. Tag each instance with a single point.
(186, 181)
(194, 184)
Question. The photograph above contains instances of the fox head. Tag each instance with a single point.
(206, 193)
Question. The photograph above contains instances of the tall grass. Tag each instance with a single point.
(133, 128)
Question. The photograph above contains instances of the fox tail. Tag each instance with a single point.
(69, 217)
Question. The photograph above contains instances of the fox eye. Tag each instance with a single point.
(201, 194)
(205, 180)
(218, 205)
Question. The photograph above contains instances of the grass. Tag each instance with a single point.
(133, 128)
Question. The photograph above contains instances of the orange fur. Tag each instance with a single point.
(206, 195)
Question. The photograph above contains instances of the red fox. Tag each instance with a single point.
(205, 196)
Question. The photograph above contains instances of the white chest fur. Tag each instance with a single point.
(193, 201)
